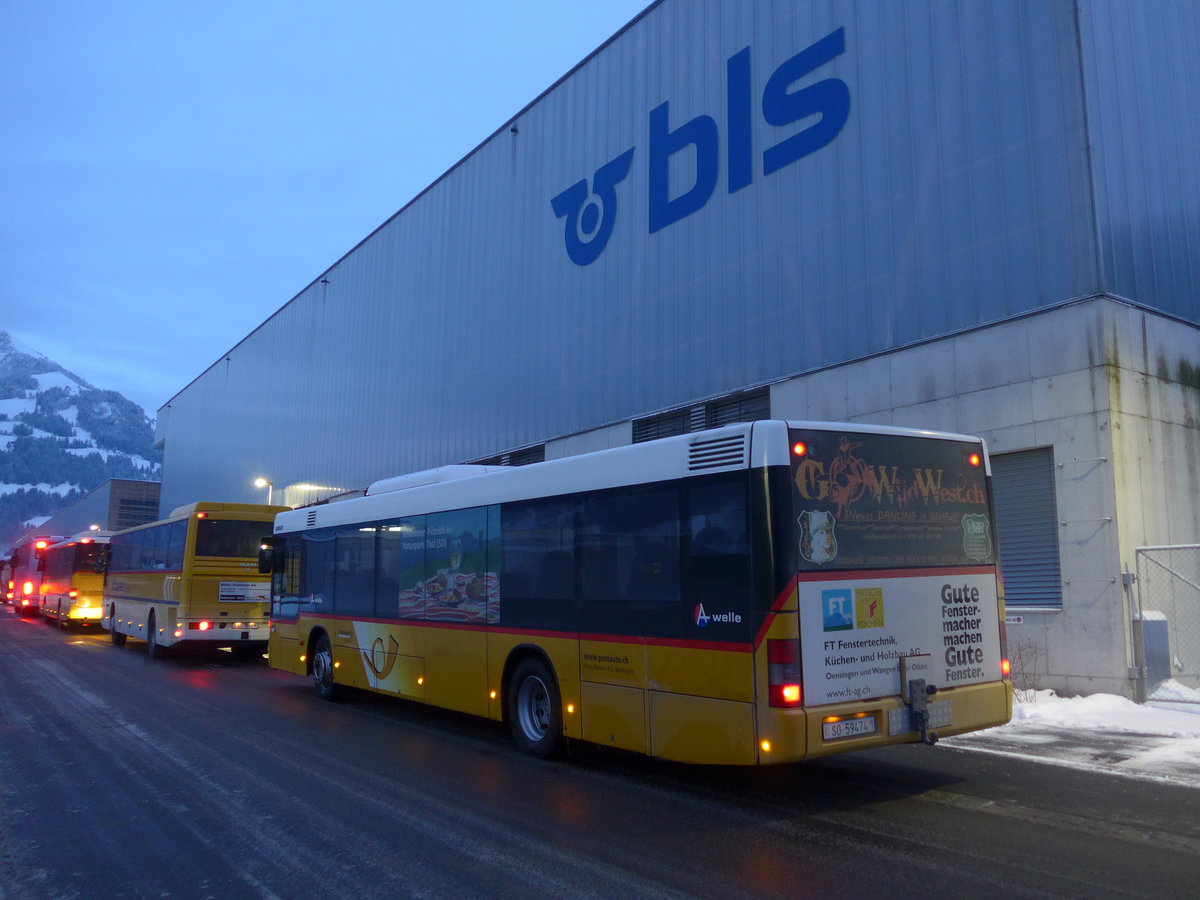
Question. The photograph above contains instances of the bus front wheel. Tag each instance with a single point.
(535, 710)
(322, 668)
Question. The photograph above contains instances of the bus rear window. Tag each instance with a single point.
(224, 538)
(881, 501)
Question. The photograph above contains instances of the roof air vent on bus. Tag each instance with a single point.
(716, 453)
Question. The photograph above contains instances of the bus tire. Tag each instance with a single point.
(118, 638)
(322, 669)
(535, 709)
(153, 650)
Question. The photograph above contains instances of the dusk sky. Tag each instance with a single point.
(172, 173)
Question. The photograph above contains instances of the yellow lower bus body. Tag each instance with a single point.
(182, 610)
(685, 704)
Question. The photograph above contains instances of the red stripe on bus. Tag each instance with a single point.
(685, 643)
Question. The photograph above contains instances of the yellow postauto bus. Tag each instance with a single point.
(191, 579)
(73, 579)
(758, 593)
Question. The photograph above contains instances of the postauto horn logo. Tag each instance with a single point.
(590, 209)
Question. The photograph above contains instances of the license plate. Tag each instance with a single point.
(845, 728)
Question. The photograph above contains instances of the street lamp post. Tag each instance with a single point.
(263, 483)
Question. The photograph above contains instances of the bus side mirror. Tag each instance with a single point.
(270, 557)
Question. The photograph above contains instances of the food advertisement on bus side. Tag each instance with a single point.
(877, 501)
(857, 628)
(440, 568)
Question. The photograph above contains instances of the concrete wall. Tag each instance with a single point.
(1113, 390)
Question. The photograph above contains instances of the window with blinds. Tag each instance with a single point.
(1027, 525)
(743, 407)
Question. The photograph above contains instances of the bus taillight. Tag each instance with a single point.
(1005, 668)
(27, 588)
(783, 673)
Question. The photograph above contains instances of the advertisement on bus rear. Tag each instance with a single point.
(881, 501)
(857, 628)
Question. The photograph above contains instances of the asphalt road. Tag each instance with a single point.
(213, 777)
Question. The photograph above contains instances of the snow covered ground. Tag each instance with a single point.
(1158, 740)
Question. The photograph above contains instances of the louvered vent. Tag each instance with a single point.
(312, 518)
(717, 453)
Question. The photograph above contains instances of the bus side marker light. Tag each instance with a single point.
(421, 680)
(337, 665)
(1005, 668)
(178, 633)
(303, 657)
(766, 746)
(571, 708)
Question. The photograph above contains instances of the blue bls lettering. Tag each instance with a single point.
(590, 213)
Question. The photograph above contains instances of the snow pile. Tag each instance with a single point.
(1158, 741)
(1107, 713)
(1172, 690)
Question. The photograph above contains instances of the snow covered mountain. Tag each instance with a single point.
(60, 437)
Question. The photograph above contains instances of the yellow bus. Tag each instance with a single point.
(759, 593)
(72, 586)
(191, 579)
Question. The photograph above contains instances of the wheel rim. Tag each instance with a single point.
(533, 708)
(323, 668)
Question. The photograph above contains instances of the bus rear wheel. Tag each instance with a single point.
(118, 638)
(322, 669)
(535, 710)
(153, 650)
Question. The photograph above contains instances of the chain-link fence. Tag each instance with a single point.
(1168, 590)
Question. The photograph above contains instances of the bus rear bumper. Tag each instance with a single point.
(208, 633)
(862, 724)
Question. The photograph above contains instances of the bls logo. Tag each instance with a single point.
(590, 211)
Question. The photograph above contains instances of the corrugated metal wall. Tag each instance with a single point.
(957, 192)
(1143, 76)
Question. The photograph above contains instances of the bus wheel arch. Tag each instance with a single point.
(533, 703)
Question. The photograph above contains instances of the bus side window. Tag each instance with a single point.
(537, 570)
(629, 541)
(717, 567)
(354, 572)
(316, 571)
